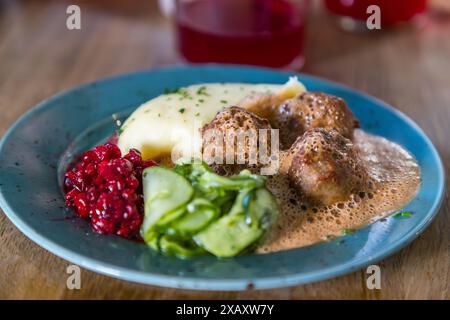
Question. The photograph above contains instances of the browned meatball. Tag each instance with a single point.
(232, 140)
(325, 167)
(313, 110)
(307, 111)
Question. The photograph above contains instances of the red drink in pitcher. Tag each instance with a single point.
(258, 32)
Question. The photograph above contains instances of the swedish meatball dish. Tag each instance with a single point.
(227, 169)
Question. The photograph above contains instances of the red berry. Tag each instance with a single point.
(134, 156)
(90, 169)
(132, 182)
(90, 156)
(70, 197)
(101, 152)
(82, 205)
(113, 150)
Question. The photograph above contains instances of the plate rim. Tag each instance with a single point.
(225, 284)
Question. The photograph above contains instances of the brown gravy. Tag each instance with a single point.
(395, 180)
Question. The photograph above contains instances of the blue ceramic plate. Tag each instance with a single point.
(35, 151)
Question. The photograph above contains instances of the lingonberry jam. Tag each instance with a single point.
(106, 188)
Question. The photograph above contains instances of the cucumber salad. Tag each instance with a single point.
(191, 211)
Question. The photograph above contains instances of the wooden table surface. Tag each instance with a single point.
(408, 67)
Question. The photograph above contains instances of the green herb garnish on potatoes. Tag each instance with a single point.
(191, 211)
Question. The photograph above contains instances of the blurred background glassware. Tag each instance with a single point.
(255, 32)
(352, 14)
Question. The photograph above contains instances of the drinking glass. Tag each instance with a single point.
(256, 32)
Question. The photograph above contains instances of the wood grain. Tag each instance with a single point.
(408, 67)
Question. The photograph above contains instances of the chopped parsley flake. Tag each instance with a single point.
(201, 100)
(183, 93)
(404, 214)
(197, 114)
(181, 110)
(202, 91)
(171, 91)
(120, 131)
(223, 101)
(347, 232)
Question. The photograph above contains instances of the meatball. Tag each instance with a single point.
(307, 111)
(233, 140)
(313, 110)
(325, 167)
